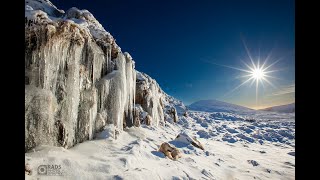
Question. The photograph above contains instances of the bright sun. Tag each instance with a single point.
(255, 72)
(258, 74)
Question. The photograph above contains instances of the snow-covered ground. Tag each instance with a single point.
(235, 148)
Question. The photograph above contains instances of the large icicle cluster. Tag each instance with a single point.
(78, 82)
(77, 79)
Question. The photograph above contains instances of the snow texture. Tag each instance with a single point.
(269, 154)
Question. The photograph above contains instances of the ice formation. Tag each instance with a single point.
(79, 82)
(76, 73)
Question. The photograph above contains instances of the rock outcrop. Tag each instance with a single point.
(155, 102)
(184, 137)
(149, 96)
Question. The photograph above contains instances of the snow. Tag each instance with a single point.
(255, 150)
(43, 11)
(45, 6)
(86, 19)
(140, 77)
(108, 132)
(233, 112)
(28, 8)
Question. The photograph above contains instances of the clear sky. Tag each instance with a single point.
(183, 43)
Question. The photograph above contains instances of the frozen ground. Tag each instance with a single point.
(234, 149)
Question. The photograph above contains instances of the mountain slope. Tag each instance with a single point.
(216, 106)
(287, 108)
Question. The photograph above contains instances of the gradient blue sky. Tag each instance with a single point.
(174, 42)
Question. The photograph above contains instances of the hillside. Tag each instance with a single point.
(287, 108)
(216, 106)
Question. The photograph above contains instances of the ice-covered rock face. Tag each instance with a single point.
(117, 93)
(155, 102)
(149, 96)
(79, 82)
(77, 79)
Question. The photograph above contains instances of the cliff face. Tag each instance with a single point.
(155, 102)
(149, 96)
(78, 81)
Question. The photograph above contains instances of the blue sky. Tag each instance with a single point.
(179, 43)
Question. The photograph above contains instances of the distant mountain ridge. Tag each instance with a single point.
(287, 108)
(216, 106)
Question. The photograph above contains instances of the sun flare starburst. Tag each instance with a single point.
(255, 72)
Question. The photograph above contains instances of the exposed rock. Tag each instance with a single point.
(100, 121)
(173, 113)
(27, 169)
(136, 117)
(292, 153)
(139, 115)
(148, 120)
(156, 102)
(170, 151)
(176, 153)
(149, 96)
(253, 162)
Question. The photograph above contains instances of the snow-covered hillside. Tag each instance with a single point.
(216, 106)
(233, 149)
(288, 108)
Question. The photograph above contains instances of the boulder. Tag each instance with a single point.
(185, 138)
